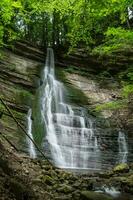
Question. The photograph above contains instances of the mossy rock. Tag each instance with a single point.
(47, 179)
(126, 183)
(121, 168)
(65, 176)
(89, 195)
(107, 174)
(65, 189)
(129, 180)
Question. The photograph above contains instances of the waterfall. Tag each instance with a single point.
(31, 147)
(123, 149)
(70, 136)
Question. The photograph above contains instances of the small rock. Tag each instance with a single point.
(26, 171)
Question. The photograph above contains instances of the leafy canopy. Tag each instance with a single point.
(88, 23)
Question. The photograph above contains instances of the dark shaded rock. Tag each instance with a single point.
(4, 165)
(20, 191)
(1, 113)
(87, 195)
(76, 194)
(1, 126)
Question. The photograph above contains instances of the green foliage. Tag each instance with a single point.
(1, 35)
(126, 78)
(130, 74)
(127, 75)
(91, 23)
(9, 9)
(113, 105)
(115, 39)
(127, 90)
(72, 23)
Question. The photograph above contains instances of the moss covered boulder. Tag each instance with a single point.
(121, 168)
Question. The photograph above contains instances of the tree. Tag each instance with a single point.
(79, 23)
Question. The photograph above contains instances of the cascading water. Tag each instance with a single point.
(70, 136)
(31, 147)
(123, 149)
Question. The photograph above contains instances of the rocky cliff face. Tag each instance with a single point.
(18, 81)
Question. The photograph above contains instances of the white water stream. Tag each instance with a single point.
(31, 147)
(71, 139)
(123, 148)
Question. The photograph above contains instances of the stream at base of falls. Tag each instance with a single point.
(66, 133)
(114, 193)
